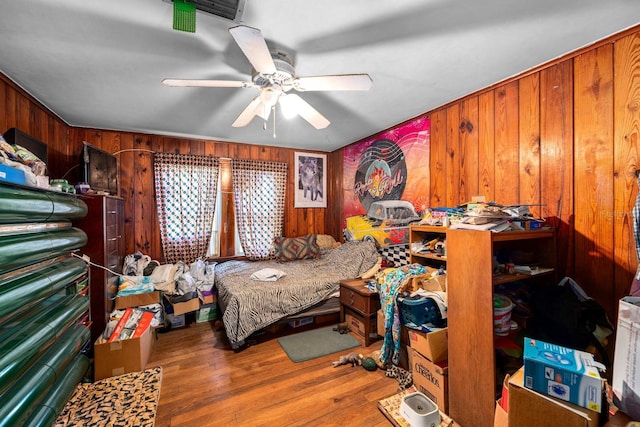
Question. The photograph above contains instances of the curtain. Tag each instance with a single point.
(186, 197)
(259, 191)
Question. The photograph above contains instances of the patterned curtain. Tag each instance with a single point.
(259, 190)
(186, 188)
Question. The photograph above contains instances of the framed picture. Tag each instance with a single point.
(311, 180)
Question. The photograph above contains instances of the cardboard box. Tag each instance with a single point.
(209, 312)
(501, 418)
(564, 373)
(121, 357)
(137, 300)
(430, 378)
(432, 345)
(208, 297)
(528, 408)
(626, 375)
(14, 175)
(185, 307)
(357, 327)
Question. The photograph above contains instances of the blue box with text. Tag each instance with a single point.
(564, 373)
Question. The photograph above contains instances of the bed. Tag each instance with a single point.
(249, 305)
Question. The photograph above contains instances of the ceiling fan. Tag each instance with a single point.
(274, 75)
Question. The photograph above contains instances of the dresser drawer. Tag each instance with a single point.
(366, 304)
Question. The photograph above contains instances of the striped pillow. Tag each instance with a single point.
(294, 248)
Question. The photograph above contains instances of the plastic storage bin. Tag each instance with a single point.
(420, 311)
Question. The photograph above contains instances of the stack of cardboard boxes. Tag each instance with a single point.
(121, 356)
(427, 354)
(556, 386)
(117, 357)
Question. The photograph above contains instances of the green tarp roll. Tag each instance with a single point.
(23, 291)
(46, 413)
(20, 205)
(19, 349)
(21, 250)
(18, 401)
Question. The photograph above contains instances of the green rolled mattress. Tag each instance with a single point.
(19, 205)
(24, 249)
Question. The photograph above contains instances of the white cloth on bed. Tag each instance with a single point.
(268, 275)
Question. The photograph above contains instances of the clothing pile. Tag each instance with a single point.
(142, 274)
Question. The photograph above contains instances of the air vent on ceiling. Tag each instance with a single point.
(227, 9)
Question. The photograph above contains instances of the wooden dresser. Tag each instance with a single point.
(104, 225)
(362, 305)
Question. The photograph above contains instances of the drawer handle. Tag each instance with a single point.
(352, 301)
(351, 294)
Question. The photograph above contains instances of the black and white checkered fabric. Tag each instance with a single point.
(398, 254)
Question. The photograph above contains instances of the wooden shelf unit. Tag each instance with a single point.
(473, 377)
(420, 233)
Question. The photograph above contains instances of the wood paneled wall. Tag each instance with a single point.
(136, 184)
(564, 136)
(21, 111)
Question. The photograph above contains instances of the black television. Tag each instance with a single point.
(99, 169)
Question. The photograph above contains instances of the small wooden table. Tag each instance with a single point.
(361, 303)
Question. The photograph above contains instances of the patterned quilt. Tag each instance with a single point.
(250, 305)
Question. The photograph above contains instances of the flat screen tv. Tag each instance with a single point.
(99, 169)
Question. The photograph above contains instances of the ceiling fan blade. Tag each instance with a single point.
(205, 83)
(333, 82)
(305, 110)
(254, 47)
(248, 113)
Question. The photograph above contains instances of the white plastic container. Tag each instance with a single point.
(502, 307)
(419, 411)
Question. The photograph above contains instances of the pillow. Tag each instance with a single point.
(293, 248)
(325, 240)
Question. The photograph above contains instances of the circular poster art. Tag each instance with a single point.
(381, 173)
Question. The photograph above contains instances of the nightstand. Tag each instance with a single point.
(361, 305)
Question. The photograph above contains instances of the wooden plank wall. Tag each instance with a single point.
(19, 110)
(136, 184)
(564, 135)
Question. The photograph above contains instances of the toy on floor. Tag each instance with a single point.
(342, 328)
(352, 358)
(369, 364)
(405, 379)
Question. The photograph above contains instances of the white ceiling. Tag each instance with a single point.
(99, 63)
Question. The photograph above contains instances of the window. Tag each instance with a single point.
(224, 238)
(186, 188)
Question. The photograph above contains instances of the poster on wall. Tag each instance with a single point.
(386, 182)
(311, 180)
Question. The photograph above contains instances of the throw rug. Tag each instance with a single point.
(126, 400)
(316, 343)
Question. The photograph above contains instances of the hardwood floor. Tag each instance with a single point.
(205, 383)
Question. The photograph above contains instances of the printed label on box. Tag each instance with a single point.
(563, 373)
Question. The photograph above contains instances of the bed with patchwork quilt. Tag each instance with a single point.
(251, 304)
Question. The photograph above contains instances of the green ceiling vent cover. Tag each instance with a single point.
(184, 16)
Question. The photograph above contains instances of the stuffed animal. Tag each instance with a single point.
(353, 358)
(342, 328)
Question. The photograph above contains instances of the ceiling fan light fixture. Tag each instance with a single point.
(270, 95)
(287, 107)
